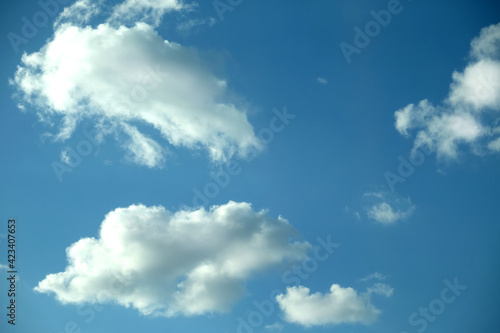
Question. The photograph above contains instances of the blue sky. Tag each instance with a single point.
(228, 166)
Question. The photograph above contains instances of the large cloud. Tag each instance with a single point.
(121, 77)
(340, 305)
(474, 97)
(188, 262)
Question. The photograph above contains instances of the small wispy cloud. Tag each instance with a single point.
(355, 213)
(389, 208)
(385, 214)
(189, 25)
(374, 276)
(374, 194)
(380, 289)
(321, 80)
(277, 326)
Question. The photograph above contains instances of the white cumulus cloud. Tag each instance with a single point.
(340, 305)
(460, 120)
(165, 264)
(122, 77)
